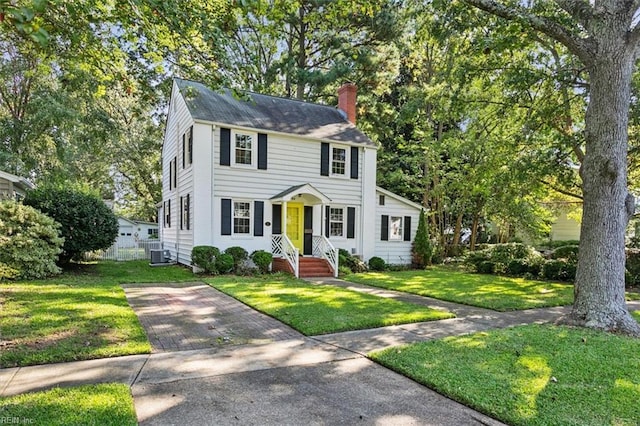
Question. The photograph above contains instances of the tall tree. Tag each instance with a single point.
(605, 36)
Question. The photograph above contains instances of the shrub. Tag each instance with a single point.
(559, 269)
(517, 267)
(224, 263)
(29, 242)
(262, 259)
(486, 267)
(87, 223)
(377, 264)
(566, 252)
(352, 262)
(422, 248)
(632, 267)
(503, 257)
(204, 257)
(343, 270)
(238, 254)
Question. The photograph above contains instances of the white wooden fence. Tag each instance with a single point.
(126, 249)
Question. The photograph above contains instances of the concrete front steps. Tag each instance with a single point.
(309, 267)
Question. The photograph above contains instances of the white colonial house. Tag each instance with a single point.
(266, 173)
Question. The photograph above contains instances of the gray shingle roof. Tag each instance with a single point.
(270, 113)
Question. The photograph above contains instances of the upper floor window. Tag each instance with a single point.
(241, 217)
(381, 200)
(336, 222)
(339, 161)
(244, 145)
(395, 228)
(187, 148)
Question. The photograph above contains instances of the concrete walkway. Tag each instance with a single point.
(255, 370)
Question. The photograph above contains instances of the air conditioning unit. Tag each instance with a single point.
(158, 256)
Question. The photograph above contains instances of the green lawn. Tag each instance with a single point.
(104, 405)
(82, 314)
(531, 375)
(485, 291)
(314, 309)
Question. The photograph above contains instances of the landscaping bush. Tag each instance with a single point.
(632, 276)
(262, 259)
(343, 270)
(559, 243)
(377, 264)
(224, 263)
(352, 262)
(566, 252)
(87, 224)
(559, 269)
(486, 267)
(238, 254)
(422, 247)
(512, 258)
(204, 257)
(29, 242)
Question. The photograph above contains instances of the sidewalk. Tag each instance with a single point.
(280, 377)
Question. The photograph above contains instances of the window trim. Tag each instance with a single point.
(249, 232)
(187, 148)
(347, 159)
(400, 234)
(185, 212)
(343, 222)
(254, 149)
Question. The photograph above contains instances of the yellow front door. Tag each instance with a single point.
(295, 224)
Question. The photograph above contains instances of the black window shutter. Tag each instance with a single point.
(175, 172)
(181, 212)
(184, 150)
(327, 212)
(407, 228)
(226, 217)
(324, 159)
(191, 145)
(169, 213)
(276, 213)
(262, 151)
(354, 162)
(225, 147)
(384, 229)
(188, 206)
(351, 222)
(258, 218)
(170, 175)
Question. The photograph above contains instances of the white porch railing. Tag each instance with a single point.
(323, 248)
(281, 245)
(126, 249)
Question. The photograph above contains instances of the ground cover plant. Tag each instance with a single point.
(81, 314)
(486, 291)
(531, 375)
(105, 405)
(317, 309)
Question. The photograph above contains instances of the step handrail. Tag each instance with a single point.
(281, 245)
(323, 248)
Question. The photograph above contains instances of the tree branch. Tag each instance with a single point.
(562, 191)
(579, 9)
(581, 47)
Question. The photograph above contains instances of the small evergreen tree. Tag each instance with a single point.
(87, 223)
(422, 248)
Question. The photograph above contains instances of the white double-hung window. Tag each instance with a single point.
(244, 145)
(241, 217)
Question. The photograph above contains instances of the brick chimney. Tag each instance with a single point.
(347, 100)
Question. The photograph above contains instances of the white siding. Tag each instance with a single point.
(178, 242)
(565, 228)
(394, 252)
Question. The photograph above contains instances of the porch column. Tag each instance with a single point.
(284, 218)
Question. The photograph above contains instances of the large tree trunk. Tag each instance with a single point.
(599, 287)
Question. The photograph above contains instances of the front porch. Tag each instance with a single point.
(297, 243)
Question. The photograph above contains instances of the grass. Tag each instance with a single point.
(314, 309)
(81, 314)
(105, 405)
(486, 291)
(531, 375)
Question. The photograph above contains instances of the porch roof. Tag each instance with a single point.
(298, 190)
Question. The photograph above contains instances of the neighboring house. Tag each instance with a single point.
(13, 187)
(130, 231)
(564, 228)
(266, 173)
